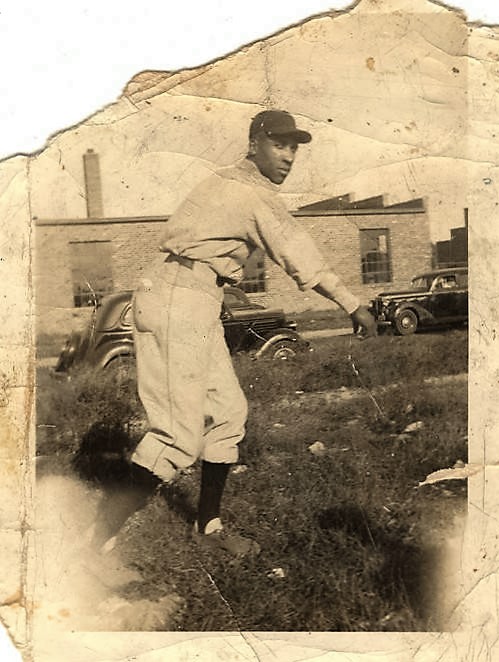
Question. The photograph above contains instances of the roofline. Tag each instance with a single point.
(101, 221)
(437, 272)
(385, 211)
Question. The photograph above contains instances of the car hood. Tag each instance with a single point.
(401, 293)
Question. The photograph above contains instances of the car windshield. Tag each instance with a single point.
(420, 283)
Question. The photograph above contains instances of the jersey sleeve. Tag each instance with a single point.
(290, 246)
(286, 242)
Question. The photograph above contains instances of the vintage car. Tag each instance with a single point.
(434, 297)
(108, 340)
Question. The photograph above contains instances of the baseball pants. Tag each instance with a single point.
(186, 381)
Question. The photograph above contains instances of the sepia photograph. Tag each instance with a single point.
(261, 391)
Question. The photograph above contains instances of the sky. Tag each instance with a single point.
(63, 61)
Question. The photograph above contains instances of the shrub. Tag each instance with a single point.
(88, 400)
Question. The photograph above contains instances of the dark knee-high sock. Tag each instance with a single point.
(213, 477)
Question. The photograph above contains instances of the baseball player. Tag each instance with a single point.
(184, 370)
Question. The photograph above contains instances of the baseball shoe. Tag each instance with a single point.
(234, 544)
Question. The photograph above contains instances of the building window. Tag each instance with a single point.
(375, 256)
(254, 273)
(91, 271)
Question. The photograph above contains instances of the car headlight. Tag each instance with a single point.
(377, 305)
(69, 348)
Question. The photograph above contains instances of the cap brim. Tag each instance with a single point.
(298, 135)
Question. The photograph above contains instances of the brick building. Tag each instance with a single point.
(371, 245)
(453, 252)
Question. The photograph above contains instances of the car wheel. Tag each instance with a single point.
(406, 322)
(122, 368)
(283, 350)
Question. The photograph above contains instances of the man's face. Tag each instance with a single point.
(273, 156)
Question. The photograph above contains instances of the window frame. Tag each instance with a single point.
(254, 284)
(84, 294)
(371, 276)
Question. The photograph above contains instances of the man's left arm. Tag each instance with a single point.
(331, 287)
(294, 250)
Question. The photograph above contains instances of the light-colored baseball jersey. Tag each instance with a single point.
(234, 211)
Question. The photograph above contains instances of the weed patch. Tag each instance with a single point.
(89, 409)
(349, 542)
(380, 361)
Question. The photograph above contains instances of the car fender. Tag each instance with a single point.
(420, 311)
(277, 336)
(123, 349)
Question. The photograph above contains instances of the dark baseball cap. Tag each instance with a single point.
(278, 123)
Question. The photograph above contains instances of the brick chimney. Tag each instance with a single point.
(93, 186)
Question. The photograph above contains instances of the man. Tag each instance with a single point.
(184, 371)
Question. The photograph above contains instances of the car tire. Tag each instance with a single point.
(283, 350)
(122, 368)
(406, 322)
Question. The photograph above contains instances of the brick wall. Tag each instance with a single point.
(339, 241)
(135, 240)
(453, 251)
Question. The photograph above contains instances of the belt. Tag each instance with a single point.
(189, 264)
(180, 259)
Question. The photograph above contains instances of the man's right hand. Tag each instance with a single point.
(362, 318)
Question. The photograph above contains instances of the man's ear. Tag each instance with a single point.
(252, 147)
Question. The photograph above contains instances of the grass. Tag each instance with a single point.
(312, 320)
(348, 541)
(380, 361)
